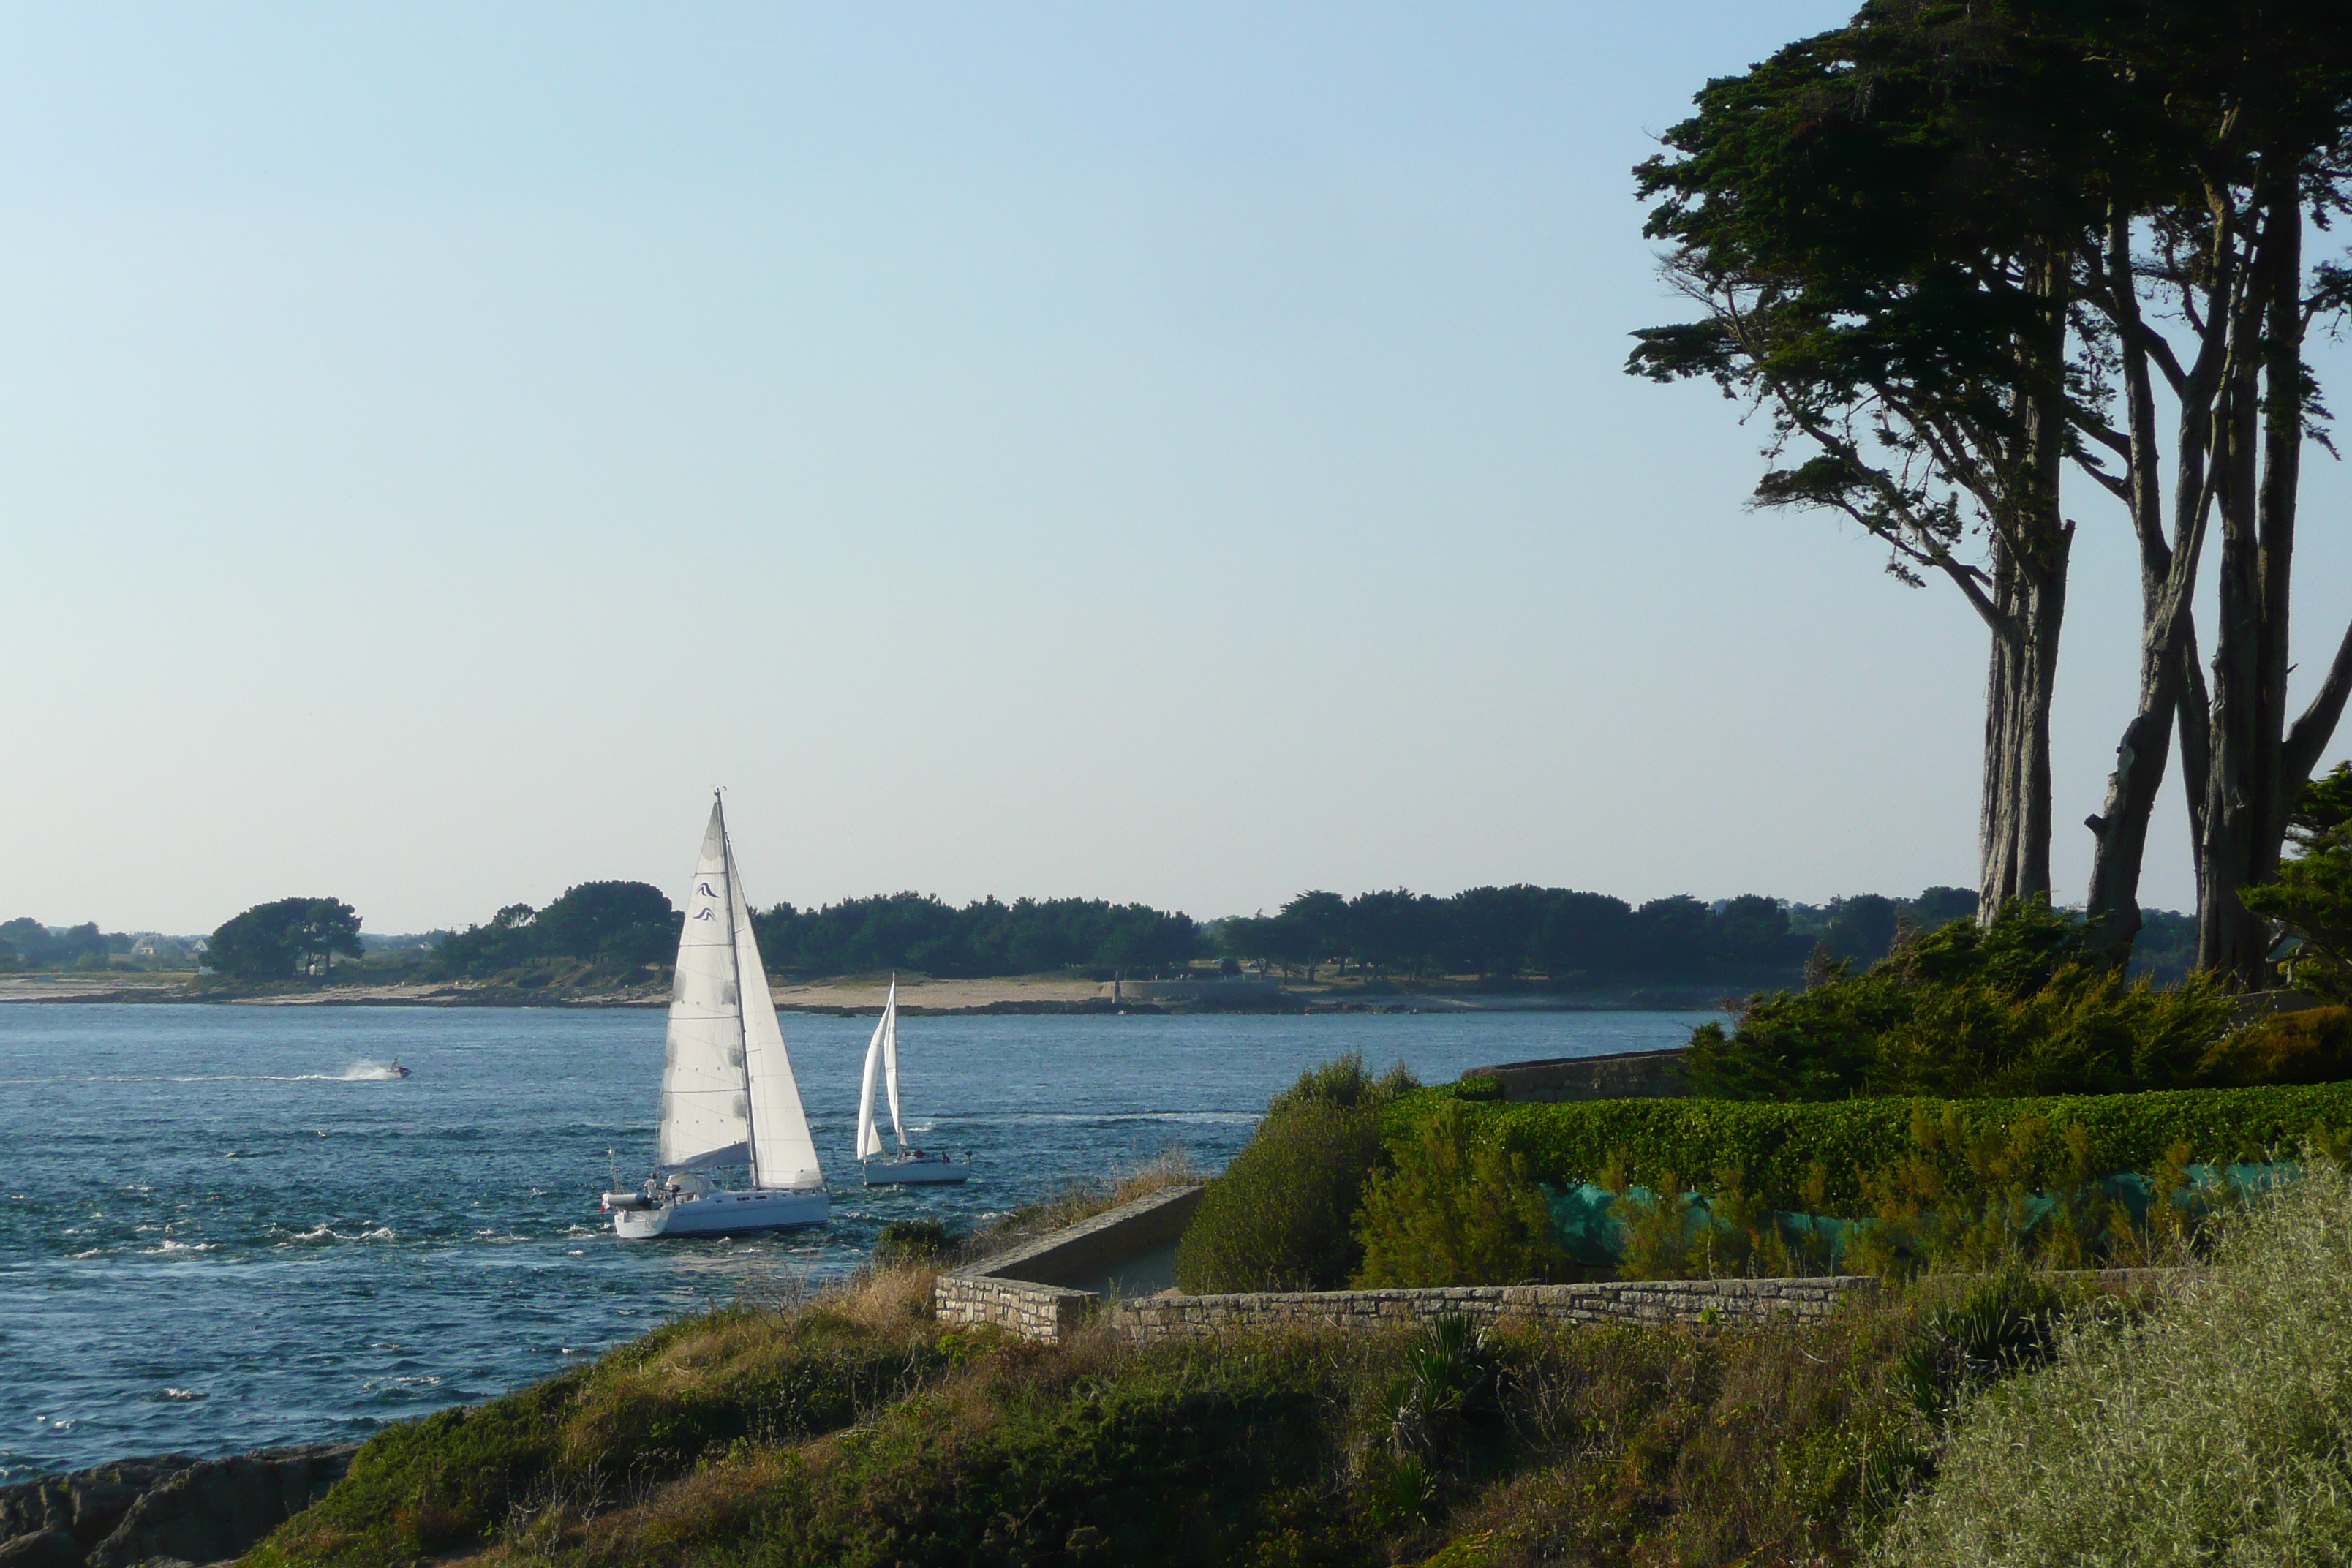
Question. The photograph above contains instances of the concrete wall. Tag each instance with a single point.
(1130, 1250)
(1624, 1075)
(1044, 1288)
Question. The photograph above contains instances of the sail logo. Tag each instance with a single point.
(705, 914)
(705, 890)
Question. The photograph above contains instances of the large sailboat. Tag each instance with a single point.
(909, 1167)
(728, 1098)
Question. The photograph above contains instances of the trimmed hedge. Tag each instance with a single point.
(1781, 1150)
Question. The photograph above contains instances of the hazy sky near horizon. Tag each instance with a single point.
(1161, 453)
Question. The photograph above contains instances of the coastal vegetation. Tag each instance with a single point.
(1954, 1419)
(284, 938)
(2024, 1005)
(1498, 937)
(1282, 1216)
(2214, 1430)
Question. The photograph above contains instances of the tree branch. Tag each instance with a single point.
(2309, 737)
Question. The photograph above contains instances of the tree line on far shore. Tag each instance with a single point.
(1572, 939)
(1569, 938)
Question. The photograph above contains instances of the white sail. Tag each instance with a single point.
(706, 1115)
(869, 1143)
(783, 1155)
(881, 1058)
(890, 1058)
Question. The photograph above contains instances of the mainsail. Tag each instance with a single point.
(881, 1054)
(728, 1094)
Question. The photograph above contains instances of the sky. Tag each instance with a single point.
(1177, 454)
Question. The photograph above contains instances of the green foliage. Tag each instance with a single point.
(616, 926)
(912, 1241)
(277, 940)
(1454, 1210)
(918, 932)
(2213, 1429)
(656, 1407)
(1281, 1215)
(2313, 1044)
(2311, 898)
(28, 942)
(2013, 1009)
(1819, 1155)
(858, 1431)
(2007, 1322)
(1572, 938)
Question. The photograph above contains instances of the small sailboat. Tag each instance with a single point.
(728, 1096)
(909, 1166)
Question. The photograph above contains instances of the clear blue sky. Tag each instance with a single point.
(1164, 453)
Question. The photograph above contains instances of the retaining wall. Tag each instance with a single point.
(1043, 1289)
(1042, 1313)
(1746, 1302)
(1622, 1075)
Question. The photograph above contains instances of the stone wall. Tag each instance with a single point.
(1622, 1075)
(172, 1507)
(1044, 1288)
(1142, 1320)
(1040, 1312)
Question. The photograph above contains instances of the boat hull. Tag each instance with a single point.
(724, 1214)
(917, 1173)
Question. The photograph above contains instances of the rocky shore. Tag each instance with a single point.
(165, 1511)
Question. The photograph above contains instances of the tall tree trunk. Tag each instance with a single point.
(2030, 551)
(2167, 573)
(2261, 441)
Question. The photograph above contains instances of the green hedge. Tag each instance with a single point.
(1781, 1149)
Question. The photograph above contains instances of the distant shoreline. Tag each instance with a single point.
(1022, 996)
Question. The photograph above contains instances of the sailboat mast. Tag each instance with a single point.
(735, 962)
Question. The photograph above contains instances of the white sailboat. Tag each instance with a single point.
(909, 1166)
(728, 1097)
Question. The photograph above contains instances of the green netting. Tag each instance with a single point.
(1585, 1220)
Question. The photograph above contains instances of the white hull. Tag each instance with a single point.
(931, 1171)
(723, 1214)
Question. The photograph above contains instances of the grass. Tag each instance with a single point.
(2216, 1431)
(854, 1429)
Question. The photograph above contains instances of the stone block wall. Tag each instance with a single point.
(1042, 1313)
(1749, 1302)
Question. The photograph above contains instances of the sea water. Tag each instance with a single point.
(224, 1227)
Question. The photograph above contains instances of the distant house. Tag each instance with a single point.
(199, 947)
(153, 946)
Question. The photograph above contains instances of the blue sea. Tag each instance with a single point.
(224, 1227)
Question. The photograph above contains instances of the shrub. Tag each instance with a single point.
(1281, 1217)
(905, 1242)
(2313, 1046)
(1815, 1156)
(2311, 898)
(1454, 1210)
(2214, 1429)
(2018, 1008)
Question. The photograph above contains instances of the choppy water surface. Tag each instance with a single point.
(223, 1227)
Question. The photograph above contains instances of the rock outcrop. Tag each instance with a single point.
(172, 1509)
